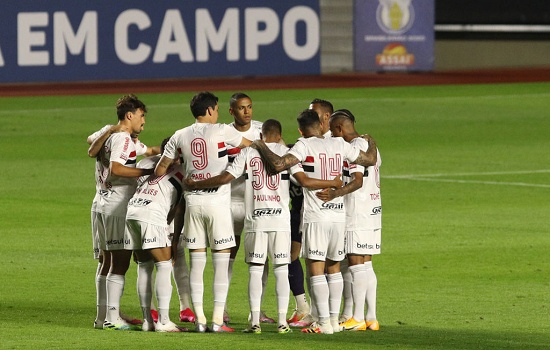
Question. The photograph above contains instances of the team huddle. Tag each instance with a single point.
(211, 184)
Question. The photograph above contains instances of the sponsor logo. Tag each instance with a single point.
(332, 206)
(376, 210)
(256, 255)
(393, 55)
(267, 212)
(189, 240)
(316, 252)
(224, 240)
(139, 202)
(280, 256)
(115, 241)
(395, 16)
(368, 246)
(149, 240)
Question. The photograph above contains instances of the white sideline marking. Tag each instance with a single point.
(437, 178)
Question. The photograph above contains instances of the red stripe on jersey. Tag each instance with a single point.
(221, 145)
(309, 159)
(233, 151)
(179, 176)
(133, 154)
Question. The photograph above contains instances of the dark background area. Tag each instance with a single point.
(528, 13)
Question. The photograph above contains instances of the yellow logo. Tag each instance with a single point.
(395, 16)
(395, 54)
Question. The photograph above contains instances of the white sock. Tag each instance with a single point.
(359, 288)
(335, 285)
(181, 278)
(301, 303)
(320, 294)
(144, 290)
(312, 307)
(196, 283)
(265, 275)
(372, 284)
(220, 286)
(282, 290)
(347, 309)
(254, 293)
(101, 298)
(163, 289)
(115, 289)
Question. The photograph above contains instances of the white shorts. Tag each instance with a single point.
(274, 245)
(95, 235)
(237, 214)
(323, 240)
(208, 226)
(111, 231)
(143, 235)
(366, 242)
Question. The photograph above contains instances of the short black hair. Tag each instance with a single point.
(308, 118)
(272, 127)
(201, 101)
(128, 103)
(344, 113)
(237, 96)
(326, 105)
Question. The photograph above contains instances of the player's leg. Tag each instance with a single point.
(375, 240)
(181, 278)
(335, 286)
(347, 309)
(279, 252)
(359, 290)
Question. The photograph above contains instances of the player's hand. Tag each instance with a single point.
(326, 195)
(188, 184)
(257, 144)
(367, 137)
(337, 181)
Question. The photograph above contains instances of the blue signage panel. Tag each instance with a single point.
(394, 35)
(65, 40)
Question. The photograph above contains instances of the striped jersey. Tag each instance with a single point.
(323, 158)
(363, 206)
(202, 149)
(266, 197)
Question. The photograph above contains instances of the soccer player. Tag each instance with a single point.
(96, 142)
(324, 109)
(323, 223)
(240, 107)
(147, 222)
(363, 205)
(304, 315)
(116, 175)
(203, 152)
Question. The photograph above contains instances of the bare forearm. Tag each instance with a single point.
(124, 171)
(218, 180)
(369, 157)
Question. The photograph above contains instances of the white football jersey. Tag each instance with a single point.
(155, 196)
(363, 206)
(202, 149)
(254, 133)
(266, 197)
(323, 158)
(94, 137)
(113, 189)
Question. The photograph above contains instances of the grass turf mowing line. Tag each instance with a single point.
(463, 264)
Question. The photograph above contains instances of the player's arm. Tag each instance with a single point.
(218, 180)
(163, 165)
(273, 163)
(367, 158)
(245, 143)
(329, 194)
(179, 212)
(121, 170)
(152, 151)
(316, 184)
(97, 143)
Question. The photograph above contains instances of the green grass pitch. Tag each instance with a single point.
(465, 190)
